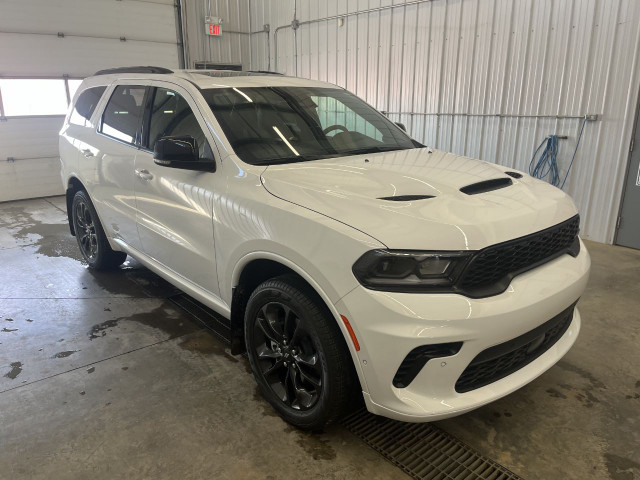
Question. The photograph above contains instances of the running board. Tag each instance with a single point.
(211, 320)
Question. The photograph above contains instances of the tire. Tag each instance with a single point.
(293, 343)
(90, 235)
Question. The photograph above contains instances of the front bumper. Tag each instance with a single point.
(390, 325)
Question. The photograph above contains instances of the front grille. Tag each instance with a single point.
(491, 270)
(504, 359)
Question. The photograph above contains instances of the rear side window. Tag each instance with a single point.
(122, 114)
(85, 106)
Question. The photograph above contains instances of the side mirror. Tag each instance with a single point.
(401, 125)
(180, 152)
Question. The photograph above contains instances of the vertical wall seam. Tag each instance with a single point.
(505, 89)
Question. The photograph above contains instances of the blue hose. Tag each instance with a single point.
(547, 164)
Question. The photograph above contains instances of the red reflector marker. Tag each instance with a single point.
(351, 333)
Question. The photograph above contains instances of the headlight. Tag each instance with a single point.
(409, 270)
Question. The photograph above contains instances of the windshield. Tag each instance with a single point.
(267, 125)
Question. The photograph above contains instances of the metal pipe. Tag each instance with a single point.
(23, 117)
(66, 89)
(13, 159)
(335, 17)
(268, 50)
(295, 35)
(149, 1)
(180, 31)
(42, 77)
(2, 117)
(249, 23)
(244, 33)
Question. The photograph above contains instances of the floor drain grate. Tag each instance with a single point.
(423, 450)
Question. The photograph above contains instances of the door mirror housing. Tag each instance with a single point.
(180, 152)
(401, 125)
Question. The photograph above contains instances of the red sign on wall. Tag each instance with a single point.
(214, 29)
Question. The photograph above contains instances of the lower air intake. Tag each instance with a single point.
(506, 358)
(418, 357)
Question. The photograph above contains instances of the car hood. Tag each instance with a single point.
(349, 189)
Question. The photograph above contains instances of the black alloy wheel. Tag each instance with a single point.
(298, 354)
(287, 358)
(85, 230)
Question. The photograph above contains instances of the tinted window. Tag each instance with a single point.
(171, 116)
(122, 114)
(85, 105)
(291, 124)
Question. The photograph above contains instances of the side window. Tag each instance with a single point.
(85, 106)
(122, 114)
(171, 116)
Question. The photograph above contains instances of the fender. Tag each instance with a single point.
(262, 255)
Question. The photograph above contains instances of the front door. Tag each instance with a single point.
(629, 226)
(175, 205)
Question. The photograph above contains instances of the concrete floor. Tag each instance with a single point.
(101, 376)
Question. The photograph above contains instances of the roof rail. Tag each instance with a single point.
(266, 72)
(140, 69)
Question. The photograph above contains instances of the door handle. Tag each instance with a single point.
(87, 153)
(144, 174)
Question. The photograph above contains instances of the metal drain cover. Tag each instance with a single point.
(423, 450)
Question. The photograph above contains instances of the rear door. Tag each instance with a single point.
(106, 161)
(78, 127)
(175, 205)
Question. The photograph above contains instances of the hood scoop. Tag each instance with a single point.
(406, 198)
(514, 174)
(486, 186)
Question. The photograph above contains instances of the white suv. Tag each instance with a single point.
(349, 259)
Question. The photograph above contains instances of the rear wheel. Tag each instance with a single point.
(90, 235)
(298, 354)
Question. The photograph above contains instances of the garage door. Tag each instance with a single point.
(46, 48)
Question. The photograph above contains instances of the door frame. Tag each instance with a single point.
(632, 142)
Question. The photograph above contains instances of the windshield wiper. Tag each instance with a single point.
(360, 151)
(299, 158)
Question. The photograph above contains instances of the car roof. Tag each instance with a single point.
(207, 78)
(232, 78)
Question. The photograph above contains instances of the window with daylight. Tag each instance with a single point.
(30, 96)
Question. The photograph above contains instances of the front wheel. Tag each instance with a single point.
(298, 354)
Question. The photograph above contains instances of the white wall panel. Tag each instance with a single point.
(461, 73)
(34, 170)
(147, 21)
(30, 46)
(92, 29)
(39, 55)
(31, 137)
(30, 178)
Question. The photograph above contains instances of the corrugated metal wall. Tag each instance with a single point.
(461, 74)
(234, 44)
